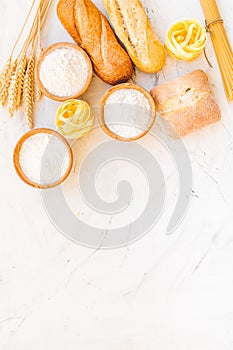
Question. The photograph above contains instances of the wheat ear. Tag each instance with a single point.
(4, 73)
(38, 92)
(7, 83)
(28, 91)
(16, 86)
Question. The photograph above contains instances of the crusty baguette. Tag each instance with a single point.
(65, 12)
(134, 29)
(92, 31)
(187, 103)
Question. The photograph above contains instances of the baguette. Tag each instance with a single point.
(187, 103)
(91, 30)
(134, 29)
(65, 12)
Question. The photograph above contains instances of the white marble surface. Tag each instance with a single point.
(163, 292)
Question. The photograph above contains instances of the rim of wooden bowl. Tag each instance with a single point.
(101, 111)
(51, 48)
(17, 165)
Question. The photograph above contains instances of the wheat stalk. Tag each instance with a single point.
(21, 77)
(16, 86)
(38, 92)
(14, 73)
(28, 91)
(4, 73)
(7, 83)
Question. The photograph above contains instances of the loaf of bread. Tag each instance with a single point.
(91, 30)
(187, 103)
(65, 12)
(134, 30)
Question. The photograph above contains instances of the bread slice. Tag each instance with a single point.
(92, 31)
(134, 29)
(187, 103)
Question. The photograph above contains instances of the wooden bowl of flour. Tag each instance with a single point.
(63, 71)
(140, 92)
(20, 169)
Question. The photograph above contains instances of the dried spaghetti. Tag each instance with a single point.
(221, 44)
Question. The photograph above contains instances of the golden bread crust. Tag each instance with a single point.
(187, 103)
(65, 12)
(135, 31)
(94, 34)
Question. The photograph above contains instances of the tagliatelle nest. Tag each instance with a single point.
(74, 119)
(185, 40)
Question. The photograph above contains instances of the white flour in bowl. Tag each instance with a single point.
(44, 159)
(64, 72)
(127, 113)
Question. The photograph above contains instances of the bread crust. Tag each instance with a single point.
(134, 29)
(91, 30)
(187, 103)
(65, 12)
(196, 80)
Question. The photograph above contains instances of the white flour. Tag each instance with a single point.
(127, 112)
(44, 159)
(64, 72)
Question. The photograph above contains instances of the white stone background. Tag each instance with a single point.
(163, 292)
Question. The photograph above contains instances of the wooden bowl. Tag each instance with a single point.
(101, 111)
(17, 154)
(45, 53)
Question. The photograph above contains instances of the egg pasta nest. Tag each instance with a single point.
(74, 119)
(185, 40)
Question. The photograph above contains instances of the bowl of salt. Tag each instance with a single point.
(43, 158)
